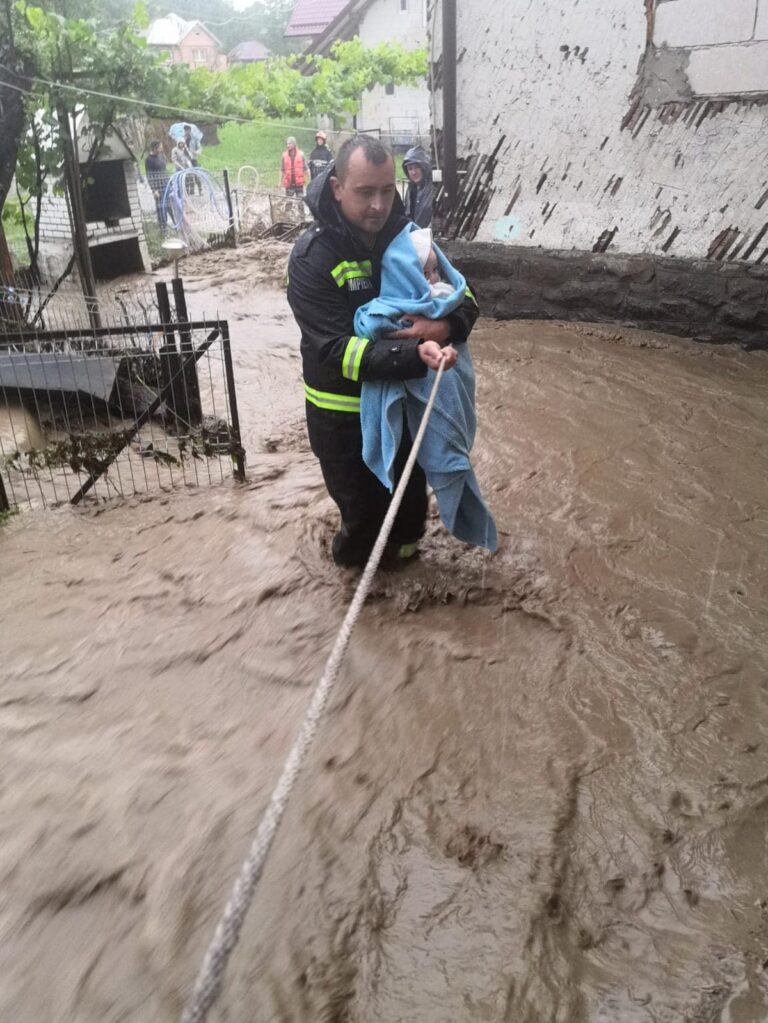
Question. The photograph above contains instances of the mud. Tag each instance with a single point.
(541, 790)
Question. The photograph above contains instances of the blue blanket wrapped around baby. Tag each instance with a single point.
(450, 433)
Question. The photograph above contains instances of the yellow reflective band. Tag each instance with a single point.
(347, 270)
(353, 356)
(468, 293)
(332, 402)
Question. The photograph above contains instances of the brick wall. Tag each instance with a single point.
(56, 232)
(725, 44)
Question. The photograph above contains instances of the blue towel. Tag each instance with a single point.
(444, 453)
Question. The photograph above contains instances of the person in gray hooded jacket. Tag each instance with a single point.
(418, 199)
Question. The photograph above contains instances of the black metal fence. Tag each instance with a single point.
(129, 407)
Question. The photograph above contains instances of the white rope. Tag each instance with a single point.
(209, 980)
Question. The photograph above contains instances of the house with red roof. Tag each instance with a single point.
(186, 42)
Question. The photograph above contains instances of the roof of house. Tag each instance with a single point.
(249, 50)
(173, 30)
(343, 26)
(310, 17)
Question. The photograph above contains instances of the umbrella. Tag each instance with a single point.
(176, 131)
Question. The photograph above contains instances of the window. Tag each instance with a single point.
(389, 89)
(106, 192)
(200, 56)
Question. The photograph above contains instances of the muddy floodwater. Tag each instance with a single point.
(540, 794)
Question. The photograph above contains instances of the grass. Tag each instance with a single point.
(259, 145)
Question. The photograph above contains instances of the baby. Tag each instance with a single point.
(422, 242)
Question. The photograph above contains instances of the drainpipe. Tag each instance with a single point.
(450, 180)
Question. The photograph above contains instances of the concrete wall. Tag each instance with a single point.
(628, 126)
(406, 112)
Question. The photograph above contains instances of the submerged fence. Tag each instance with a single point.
(144, 401)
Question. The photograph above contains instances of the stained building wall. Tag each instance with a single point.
(621, 126)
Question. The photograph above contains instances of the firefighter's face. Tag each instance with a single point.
(367, 192)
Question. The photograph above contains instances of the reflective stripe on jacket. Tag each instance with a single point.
(331, 273)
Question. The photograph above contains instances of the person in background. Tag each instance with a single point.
(194, 149)
(182, 160)
(320, 156)
(157, 179)
(293, 168)
(418, 199)
(180, 157)
(194, 146)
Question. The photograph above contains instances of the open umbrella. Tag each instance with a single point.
(176, 131)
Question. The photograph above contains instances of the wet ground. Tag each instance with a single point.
(541, 790)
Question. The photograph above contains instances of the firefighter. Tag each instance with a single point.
(335, 267)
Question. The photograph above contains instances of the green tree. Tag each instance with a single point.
(297, 86)
(80, 82)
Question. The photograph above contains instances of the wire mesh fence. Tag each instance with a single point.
(144, 401)
(207, 209)
(193, 206)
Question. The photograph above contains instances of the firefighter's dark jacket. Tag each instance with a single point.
(331, 273)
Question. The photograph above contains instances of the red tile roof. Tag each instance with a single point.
(310, 17)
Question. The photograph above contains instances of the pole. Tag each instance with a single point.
(172, 385)
(237, 447)
(450, 178)
(231, 228)
(5, 504)
(77, 215)
(191, 382)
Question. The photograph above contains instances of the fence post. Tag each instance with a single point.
(171, 383)
(238, 452)
(5, 504)
(231, 233)
(189, 377)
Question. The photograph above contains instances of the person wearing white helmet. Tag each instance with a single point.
(321, 156)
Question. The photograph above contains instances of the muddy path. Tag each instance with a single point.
(541, 790)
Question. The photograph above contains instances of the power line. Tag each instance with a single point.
(142, 102)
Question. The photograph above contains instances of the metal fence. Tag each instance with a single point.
(145, 401)
(210, 209)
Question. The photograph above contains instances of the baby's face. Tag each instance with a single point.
(431, 269)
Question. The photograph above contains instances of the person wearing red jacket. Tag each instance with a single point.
(293, 169)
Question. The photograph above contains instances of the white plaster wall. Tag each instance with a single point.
(554, 82)
(386, 22)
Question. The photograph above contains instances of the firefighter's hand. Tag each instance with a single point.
(432, 354)
(426, 330)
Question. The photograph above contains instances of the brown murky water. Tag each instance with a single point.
(541, 790)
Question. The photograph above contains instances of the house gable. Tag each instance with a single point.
(198, 35)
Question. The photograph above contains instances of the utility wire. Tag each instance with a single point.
(187, 111)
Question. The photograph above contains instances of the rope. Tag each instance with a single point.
(209, 980)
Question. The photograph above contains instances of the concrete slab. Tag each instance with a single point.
(761, 25)
(729, 70)
(704, 22)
